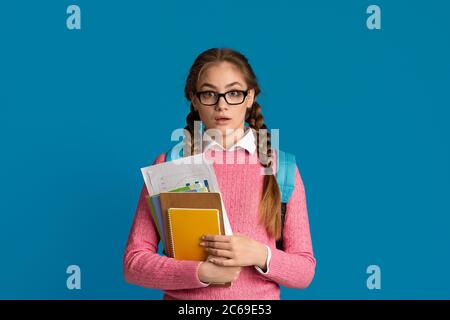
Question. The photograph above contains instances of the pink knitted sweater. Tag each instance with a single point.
(241, 187)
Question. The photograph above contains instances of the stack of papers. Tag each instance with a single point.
(192, 174)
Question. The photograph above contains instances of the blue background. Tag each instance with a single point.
(365, 112)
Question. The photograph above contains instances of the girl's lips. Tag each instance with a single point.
(222, 120)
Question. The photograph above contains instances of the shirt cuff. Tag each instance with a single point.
(269, 256)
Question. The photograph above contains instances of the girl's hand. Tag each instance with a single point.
(239, 251)
(211, 273)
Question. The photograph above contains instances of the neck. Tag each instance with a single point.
(232, 138)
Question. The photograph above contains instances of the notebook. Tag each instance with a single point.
(186, 226)
(195, 200)
(192, 200)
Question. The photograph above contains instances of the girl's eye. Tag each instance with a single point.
(208, 94)
(234, 93)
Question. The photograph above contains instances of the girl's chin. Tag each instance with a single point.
(226, 130)
(223, 127)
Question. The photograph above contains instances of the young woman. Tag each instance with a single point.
(222, 89)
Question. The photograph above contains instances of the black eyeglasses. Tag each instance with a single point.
(210, 98)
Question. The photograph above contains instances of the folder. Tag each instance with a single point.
(186, 227)
(155, 209)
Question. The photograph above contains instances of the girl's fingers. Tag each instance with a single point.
(216, 245)
(220, 253)
(217, 238)
(215, 257)
(223, 262)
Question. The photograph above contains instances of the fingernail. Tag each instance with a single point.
(202, 243)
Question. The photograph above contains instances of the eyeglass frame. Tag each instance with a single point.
(219, 95)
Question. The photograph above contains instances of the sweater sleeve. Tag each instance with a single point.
(143, 266)
(294, 266)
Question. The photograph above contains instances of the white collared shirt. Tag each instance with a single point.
(248, 143)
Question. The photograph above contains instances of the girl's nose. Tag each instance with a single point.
(221, 104)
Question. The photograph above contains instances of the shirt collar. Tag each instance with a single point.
(247, 142)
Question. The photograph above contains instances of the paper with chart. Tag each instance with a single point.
(166, 176)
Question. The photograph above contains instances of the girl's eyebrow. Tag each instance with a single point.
(206, 84)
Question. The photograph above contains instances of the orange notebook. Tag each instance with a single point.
(198, 200)
(186, 226)
(191, 200)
